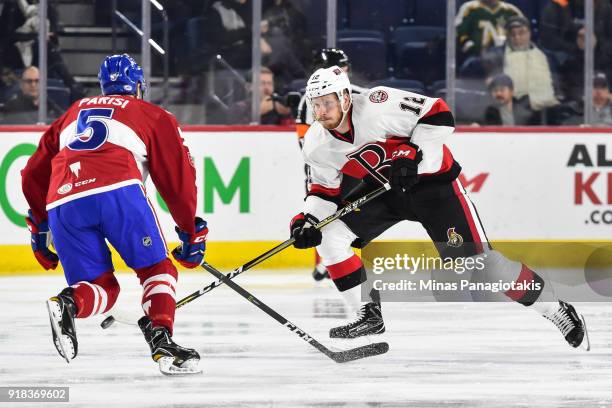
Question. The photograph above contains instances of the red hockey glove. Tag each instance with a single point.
(303, 230)
(404, 167)
(40, 240)
(191, 251)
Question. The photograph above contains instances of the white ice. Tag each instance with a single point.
(441, 354)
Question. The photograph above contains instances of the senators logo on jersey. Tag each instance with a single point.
(378, 96)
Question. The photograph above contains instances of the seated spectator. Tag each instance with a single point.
(507, 110)
(572, 112)
(23, 107)
(284, 45)
(525, 63)
(480, 25)
(572, 70)
(9, 84)
(602, 101)
(227, 30)
(272, 111)
(25, 40)
(559, 19)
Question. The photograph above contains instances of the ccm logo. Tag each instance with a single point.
(82, 183)
(409, 153)
(199, 239)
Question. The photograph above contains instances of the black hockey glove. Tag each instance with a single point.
(302, 229)
(404, 167)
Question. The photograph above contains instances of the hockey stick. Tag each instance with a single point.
(256, 261)
(357, 353)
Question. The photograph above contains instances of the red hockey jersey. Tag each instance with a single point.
(107, 142)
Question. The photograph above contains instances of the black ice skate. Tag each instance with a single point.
(572, 326)
(320, 272)
(369, 321)
(172, 358)
(62, 311)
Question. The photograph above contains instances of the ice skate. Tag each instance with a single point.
(62, 311)
(172, 358)
(369, 321)
(572, 326)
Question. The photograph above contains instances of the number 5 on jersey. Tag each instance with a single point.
(91, 132)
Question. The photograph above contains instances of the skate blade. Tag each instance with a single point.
(189, 367)
(62, 342)
(586, 342)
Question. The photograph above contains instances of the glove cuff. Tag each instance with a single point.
(311, 219)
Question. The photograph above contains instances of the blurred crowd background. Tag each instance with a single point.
(516, 62)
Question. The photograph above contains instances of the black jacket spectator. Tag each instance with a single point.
(522, 115)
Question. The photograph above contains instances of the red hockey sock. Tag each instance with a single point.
(159, 289)
(348, 273)
(97, 296)
(531, 287)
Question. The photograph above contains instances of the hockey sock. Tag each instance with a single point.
(97, 296)
(159, 290)
(529, 286)
(348, 273)
(352, 298)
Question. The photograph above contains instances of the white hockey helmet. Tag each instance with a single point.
(325, 81)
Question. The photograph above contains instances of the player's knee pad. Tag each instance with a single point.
(336, 243)
(344, 267)
(97, 296)
(159, 292)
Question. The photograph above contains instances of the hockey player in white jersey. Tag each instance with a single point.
(324, 58)
(398, 137)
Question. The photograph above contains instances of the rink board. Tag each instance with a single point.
(542, 186)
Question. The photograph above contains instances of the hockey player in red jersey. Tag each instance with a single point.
(398, 137)
(85, 185)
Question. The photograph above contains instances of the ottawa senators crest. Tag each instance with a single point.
(378, 96)
(454, 239)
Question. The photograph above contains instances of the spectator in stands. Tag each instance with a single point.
(558, 24)
(572, 70)
(480, 25)
(284, 47)
(9, 84)
(22, 42)
(508, 110)
(602, 101)
(23, 107)
(525, 63)
(572, 112)
(272, 111)
(226, 30)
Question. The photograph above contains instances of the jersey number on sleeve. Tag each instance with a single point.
(91, 132)
(414, 106)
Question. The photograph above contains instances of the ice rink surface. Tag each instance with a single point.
(441, 354)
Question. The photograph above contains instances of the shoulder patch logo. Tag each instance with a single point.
(66, 188)
(379, 96)
(454, 239)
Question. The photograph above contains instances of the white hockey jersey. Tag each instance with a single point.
(379, 120)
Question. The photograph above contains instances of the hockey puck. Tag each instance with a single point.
(108, 322)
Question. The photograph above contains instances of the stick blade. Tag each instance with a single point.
(358, 353)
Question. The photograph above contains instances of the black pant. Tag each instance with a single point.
(441, 207)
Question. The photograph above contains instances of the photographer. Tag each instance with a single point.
(272, 110)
